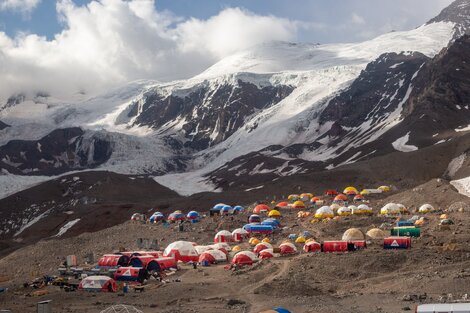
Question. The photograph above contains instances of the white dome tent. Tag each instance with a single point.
(121, 308)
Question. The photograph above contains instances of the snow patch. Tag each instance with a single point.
(456, 164)
(66, 227)
(255, 188)
(400, 144)
(463, 129)
(462, 186)
(32, 222)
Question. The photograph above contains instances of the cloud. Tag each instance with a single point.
(109, 42)
(24, 6)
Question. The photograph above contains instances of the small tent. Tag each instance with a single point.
(238, 209)
(223, 236)
(239, 234)
(312, 246)
(98, 283)
(274, 213)
(426, 208)
(340, 198)
(344, 211)
(376, 233)
(262, 246)
(176, 216)
(260, 208)
(324, 212)
(254, 218)
(156, 217)
(266, 254)
(353, 234)
(298, 205)
(390, 209)
(287, 248)
(193, 215)
(350, 191)
(282, 205)
(213, 256)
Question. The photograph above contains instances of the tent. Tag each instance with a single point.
(98, 283)
(193, 215)
(156, 217)
(312, 246)
(324, 212)
(176, 216)
(362, 209)
(261, 208)
(300, 239)
(266, 254)
(213, 256)
(244, 258)
(201, 249)
(282, 205)
(113, 260)
(238, 209)
(271, 222)
(274, 213)
(254, 241)
(384, 188)
(222, 246)
(350, 191)
(376, 233)
(353, 234)
(390, 209)
(129, 274)
(426, 208)
(403, 208)
(239, 234)
(226, 209)
(359, 197)
(259, 229)
(138, 217)
(298, 205)
(223, 236)
(344, 211)
(143, 261)
(262, 246)
(293, 197)
(254, 218)
(340, 198)
(219, 206)
(182, 251)
(287, 248)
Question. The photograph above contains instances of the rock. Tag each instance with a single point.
(406, 308)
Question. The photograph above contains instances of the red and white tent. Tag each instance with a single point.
(182, 251)
(222, 246)
(244, 258)
(239, 234)
(312, 246)
(262, 246)
(287, 248)
(223, 236)
(98, 284)
(213, 256)
(266, 254)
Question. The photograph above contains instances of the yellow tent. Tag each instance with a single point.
(350, 191)
(426, 208)
(236, 248)
(384, 188)
(274, 213)
(390, 209)
(364, 192)
(298, 205)
(292, 197)
(253, 241)
(300, 239)
(266, 240)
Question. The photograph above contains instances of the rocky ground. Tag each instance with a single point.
(436, 269)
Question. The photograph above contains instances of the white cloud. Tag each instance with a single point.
(109, 42)
(24, 6)
(357, 19)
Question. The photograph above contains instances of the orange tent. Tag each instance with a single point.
(341, 197)
(261, 208)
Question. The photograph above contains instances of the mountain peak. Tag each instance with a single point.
(458, 12)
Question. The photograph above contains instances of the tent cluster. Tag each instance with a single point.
(221, 209)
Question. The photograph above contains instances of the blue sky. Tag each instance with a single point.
(381, 16)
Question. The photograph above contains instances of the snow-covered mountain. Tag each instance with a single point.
(297, 106)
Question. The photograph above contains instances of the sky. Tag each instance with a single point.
(70, 46)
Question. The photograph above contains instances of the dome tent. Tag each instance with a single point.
(312, 246)
(223, 236)
(287, 248)
(239, 234)
(176, 216)
(282, 205)
(340, 198)
(266, 254)
(384, 188)
(390, 209)
(98, 283)
(376, 233)
(213, 256)
(426, 208)
(182, 251)
(261, 208)
(298, 205)
(254, 218)
(262, 246)
(226, 209)
(344, 211)
(244, 258)
(353, 234)
(238, 209)
(324, 212)
(193, 215)
(274, 213)
(362, 209)
(350, 191)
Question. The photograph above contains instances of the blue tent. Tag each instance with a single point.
(238, 208)
(226, 209)
(219, 206)
(281, 310)
(193, 215)
(271, 222)
(156, 217)
(259, 229)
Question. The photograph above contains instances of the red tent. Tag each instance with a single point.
(213, 256)
(98, 284)
(261, 208)
(244, 258)
(331, 192)
(113, 260)
(266, 254)
(287, 248)
(312, 246)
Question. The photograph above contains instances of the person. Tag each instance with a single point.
(181, 226)
(194, 265)
(110, 288)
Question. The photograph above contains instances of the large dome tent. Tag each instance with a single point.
(324, 212)
(182, 251)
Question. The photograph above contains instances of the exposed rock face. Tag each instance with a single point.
(60, 151)
(208, 114)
